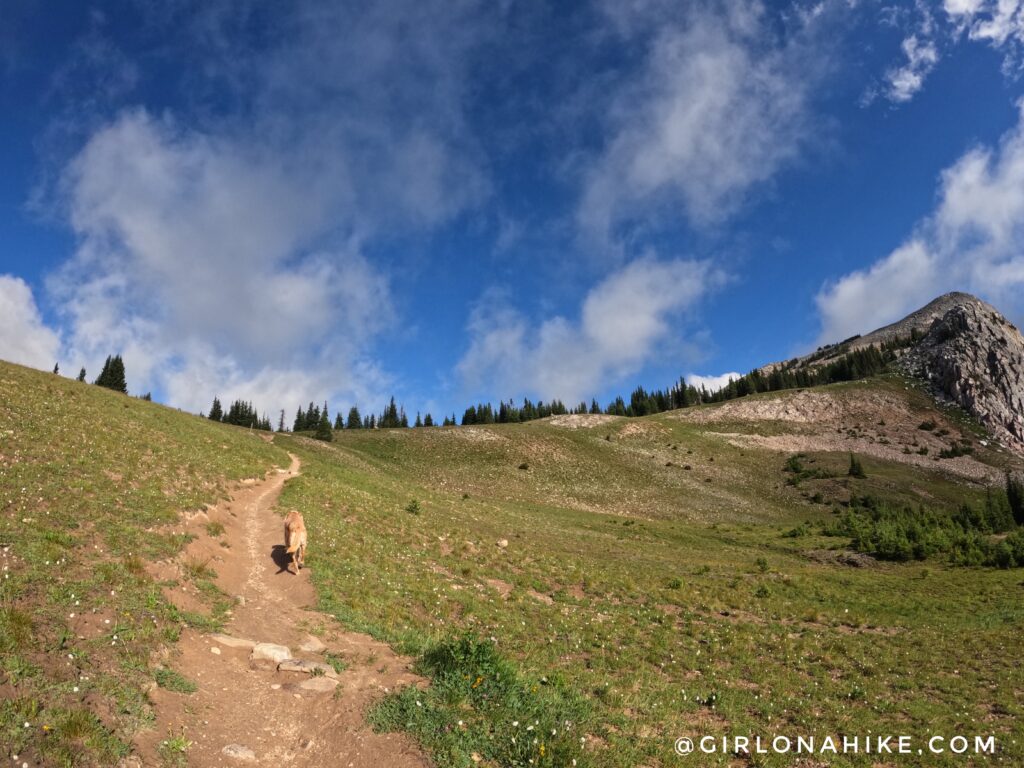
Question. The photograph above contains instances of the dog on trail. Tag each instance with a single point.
(295, 540)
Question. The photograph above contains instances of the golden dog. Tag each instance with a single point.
(295, 540)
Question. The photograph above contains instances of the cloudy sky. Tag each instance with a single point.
(450, 200)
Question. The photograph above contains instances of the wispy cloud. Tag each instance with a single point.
(623, 322)
(972, 241)
(719, 105)
(903, 82)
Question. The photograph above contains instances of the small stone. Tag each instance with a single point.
(308, 667)
(233, 642)
(319, 684)
(503, 543)
(312, 645)
(270, 652)
(215, 650)
(275, 686)
(238, 752)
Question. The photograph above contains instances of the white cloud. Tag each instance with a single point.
(712, 383)
(1000, 23)
(902, 83)
(226, 251)
(719, 106)
(973, 241)
(623, 322)
(24, 338)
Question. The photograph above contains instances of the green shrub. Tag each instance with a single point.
(478, 702)
(965, 536)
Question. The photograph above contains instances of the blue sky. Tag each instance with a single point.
(453, 201)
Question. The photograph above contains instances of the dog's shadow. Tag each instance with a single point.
(279, 554)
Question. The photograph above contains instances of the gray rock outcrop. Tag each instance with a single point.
(974, 356)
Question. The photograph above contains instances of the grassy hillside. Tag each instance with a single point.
(91, 485)
(649, 589)
(581, 588)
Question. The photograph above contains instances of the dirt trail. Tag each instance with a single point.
(246, 712)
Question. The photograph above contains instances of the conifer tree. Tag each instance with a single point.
(339, 422)
(354, 421)
(216, 411)
(56, 368)
(81, 374)
(856, 469)
(112, 375)
(1015, 496)
(300, 421)
(419, 421)
(428, 420)
(323, 427)
(104, 377)
(280, 422)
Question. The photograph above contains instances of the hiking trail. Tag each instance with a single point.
(248, 709)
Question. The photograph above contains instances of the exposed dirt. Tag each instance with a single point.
(875, 424)
(581, 420)
(246, 712)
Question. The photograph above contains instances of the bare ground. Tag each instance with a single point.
(248, 713)
(874, 424)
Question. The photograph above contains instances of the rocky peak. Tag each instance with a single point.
(974, 356)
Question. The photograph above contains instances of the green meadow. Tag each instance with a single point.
(584, 591)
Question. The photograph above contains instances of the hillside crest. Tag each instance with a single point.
(964, 348)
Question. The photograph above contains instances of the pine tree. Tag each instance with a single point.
(280, 422)
(81, 374)
(389, 419)
(216, 411)
(112, 375)
(56, 368)
(117, 379)
(856, 470)
(104, 377)
(1015, 495)
(339, 422)
(419, 421)
(355, 421)
(323, 427)
(428, 420)
(300, 421)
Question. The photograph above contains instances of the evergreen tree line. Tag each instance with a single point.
(241, 414)
(853, 365)
(392, 417)
(858, 364)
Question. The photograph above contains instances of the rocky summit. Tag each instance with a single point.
(974, 356)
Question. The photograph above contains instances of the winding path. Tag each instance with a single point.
(245, 711)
